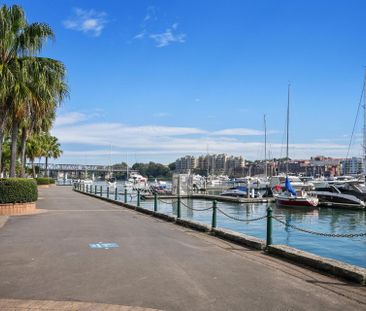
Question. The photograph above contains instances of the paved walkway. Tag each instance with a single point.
(45, 259)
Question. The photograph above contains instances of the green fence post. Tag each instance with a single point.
(214, 211)
(101, 191)
(95, 190)
(87, 189)
(155, 202)
(91, 188)
(178, 201)
(269, 226)
(125, 195)
(178, 208)
(107, 192)
(138, 198)
(83, 188)
(115, 194)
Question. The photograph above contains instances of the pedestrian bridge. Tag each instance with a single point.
(66, 170)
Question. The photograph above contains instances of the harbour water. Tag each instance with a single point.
(326, 220)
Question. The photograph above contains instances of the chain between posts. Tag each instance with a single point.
(196, 209)
(166, 202)
(331, 235)
(240, 219)
(87, 189)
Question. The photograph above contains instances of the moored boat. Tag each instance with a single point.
(239, 191)
(288, 200)
(333, 198)
(289, 197)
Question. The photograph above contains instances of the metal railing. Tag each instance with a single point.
(178, 202)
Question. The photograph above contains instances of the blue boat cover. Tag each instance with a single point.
(289, 187)
(242, 188)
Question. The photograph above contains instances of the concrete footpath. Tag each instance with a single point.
(46, 264)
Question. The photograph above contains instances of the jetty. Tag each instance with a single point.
(212, 197)
(85, 252)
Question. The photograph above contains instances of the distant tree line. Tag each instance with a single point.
(153, 170)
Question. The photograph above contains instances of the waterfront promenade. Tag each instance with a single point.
(46, 262)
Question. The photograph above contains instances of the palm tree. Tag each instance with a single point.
(32, 87)
(34, 150)
(33, 127)
(51, 149)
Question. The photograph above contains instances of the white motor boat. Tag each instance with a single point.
(111, 182)
(86, 181)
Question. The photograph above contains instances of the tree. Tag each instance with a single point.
(34, 150)
(31, 87)
(50, 149)
(152, 170)
(172, 166)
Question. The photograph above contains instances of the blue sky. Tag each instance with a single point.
(155, 80)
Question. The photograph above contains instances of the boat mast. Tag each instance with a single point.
(287, 129)
(364, 127)
(265, 147)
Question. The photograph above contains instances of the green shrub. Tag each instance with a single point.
(44, 181)
(18, 190)
(52, 181)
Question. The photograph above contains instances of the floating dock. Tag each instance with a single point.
(219, 198)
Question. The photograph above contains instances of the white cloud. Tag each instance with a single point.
(70, 118)
(87, 21)
(140, 35)
(170, 35)
(161, 39)
(150, 14)
(95, 139)
(239, 132)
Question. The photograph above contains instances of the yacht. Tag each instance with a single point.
(86, 181)
(353, 188)
(111, 182)
(334, 197)
(239, 191)
(289, 197)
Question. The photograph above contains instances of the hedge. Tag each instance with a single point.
(44, 181)
(18, 190)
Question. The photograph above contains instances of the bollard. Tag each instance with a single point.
(95, 189)
(107, 192)
(125, 195)
(178, 201)
(101, 191)
(178, 207)
(155, 202)
(214, 211)
(91, 188)
(269, 226)
(115, 194)
(83, 188)
(138, 198)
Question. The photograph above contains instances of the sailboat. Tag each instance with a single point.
(289, 197)
(111, 181)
